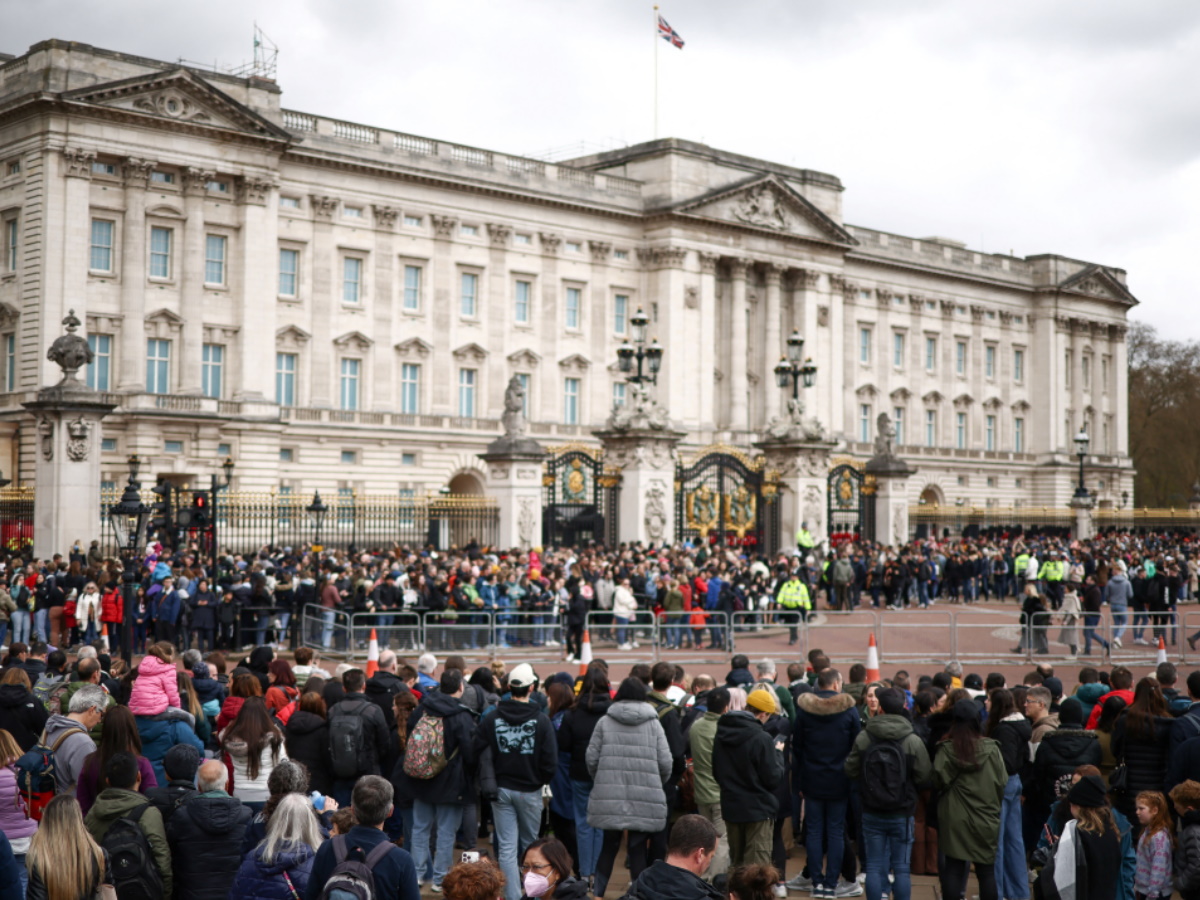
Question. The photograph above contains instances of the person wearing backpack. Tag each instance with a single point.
(21, 715)
(438, 771)
(130, 829)
(68, 735)
(363, 863)
(358, 737)
(889, 762)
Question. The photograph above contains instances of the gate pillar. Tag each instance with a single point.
(514, 475)
(801, 468)
(645, 457)
(891, 478)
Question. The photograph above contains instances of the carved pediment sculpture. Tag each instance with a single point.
(794, 425)
(639, 412)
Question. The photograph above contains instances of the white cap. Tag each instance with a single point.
(522, 676)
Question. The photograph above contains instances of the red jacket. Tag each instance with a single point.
(112, 607)
(1125, 694)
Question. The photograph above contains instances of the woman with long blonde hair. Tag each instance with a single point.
(63, 861)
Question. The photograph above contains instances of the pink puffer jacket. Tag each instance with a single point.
(155, 688)
(13, 821)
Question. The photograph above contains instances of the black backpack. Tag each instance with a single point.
(346, 739)
(130, 859)
(352, 879)
(885, 776)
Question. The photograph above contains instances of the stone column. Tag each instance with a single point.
(65, 253)
(321, 377)
(131, 375)
(891, 476)
(444, 314)
(188, 356)
(705, 386)
(383, 306)
(514, 478)
(774, 343)
(738, 340)
(1085, 526)
(645, 458)
(67, 466)
(259, 241)
(801, 468)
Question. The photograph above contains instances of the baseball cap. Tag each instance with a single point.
(523, 676)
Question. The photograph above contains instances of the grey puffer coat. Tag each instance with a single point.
(629, 760)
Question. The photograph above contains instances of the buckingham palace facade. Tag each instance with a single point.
(340, 307)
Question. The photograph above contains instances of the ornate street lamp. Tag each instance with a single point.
(794, 369)
(1081, 448)
(647, 357)
(316, 516)
(129, 520)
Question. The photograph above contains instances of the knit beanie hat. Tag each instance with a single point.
(1088, 791)
(1070, 714)
(762, 701)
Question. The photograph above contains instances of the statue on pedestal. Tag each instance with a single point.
(514, 409)
(70, 351)
(795, 426)
(639, 412)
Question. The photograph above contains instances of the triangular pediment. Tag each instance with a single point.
(414, 346)
(575, 361)
(524, 358)
(766, 202)
(178, 95)
(933, 398)
(353, 338)
(292, 336)
(1097, 281)
(471, 351)
(165, 316)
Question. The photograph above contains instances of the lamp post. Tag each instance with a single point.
(649, 356)
(316, 515)
(216, 487)
(793, 368)
(1081, 448)
(129, 520)
(1124, 499)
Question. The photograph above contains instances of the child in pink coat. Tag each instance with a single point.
(157, 686)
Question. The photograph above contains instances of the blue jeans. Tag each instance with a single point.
(41, 624)
(588, 840)
(1012, 875)
(1120, 615)
(622, 629)
(826, 837)
(889, 841)
(447, 817)
(1090, 621)
(675, 625)
(1140, 620)
(20, 626)
(327, 617)
(517, 816)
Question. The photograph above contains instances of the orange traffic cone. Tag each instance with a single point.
(585, 653)
(372, 655)
(104, 635)
(1162, 651)
(872, 659)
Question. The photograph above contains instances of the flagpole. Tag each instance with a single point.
(655, 32)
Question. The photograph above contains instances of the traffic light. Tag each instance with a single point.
(160, 510)
(196, 515)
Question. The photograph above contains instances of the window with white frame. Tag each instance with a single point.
(224, 449)
(574, 302)
(287, 454)
(898, 349)
(469, 230)
(12, 232)
(352, 212)
(349, 457)
(466, 393)
(570, 401)
(158, 366)
(960, 430)
(620, 313)
(522, 301)
(413, 221)
(573, 246)
(1018, 365)
(989, 433)
(469, 295)
(10, 362)
(898, 424)
(864, 422)
(285, 379)
(160, 252)
(289, 202)
(989, 362)
(619, 394)
(412, 288)
(101, 258)
(100, 368)
(931, 428)
(960, 357)
(520, 238)
(410, 388)
(212, 362)
(216, 247)
(351, 375)
(930, 354)
(1019, 434)
(160, 177)
(289, 272)
(864, 345)
(352, 272)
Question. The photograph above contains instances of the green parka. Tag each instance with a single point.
(112, 804)
(969, 799)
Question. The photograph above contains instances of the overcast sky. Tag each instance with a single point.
(1030, 125)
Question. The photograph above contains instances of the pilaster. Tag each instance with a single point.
(321, 377)
(188, 356)
(774, 345)
(705, 385)
(801, 468)
(739, 339)
(645, 459)
(134, 261)
(259, 247)
(383, 302)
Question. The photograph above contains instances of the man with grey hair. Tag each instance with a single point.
(955, 670)
(67, 735)
(426, 665)
(191, 658)
(384, 685)
(766, 675)
(205, 834)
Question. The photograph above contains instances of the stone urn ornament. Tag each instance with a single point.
(70, 352)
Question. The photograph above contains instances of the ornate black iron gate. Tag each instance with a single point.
(580, 498)
(851, 504)
(724, 498)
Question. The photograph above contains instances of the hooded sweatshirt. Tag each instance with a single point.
(116, 803)
(747, 767)
(524, 746)
(1118, 593)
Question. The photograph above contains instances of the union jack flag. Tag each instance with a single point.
(669, 34)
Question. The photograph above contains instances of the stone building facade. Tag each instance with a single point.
(340, 306)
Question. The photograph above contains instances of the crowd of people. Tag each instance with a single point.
(209, 776)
